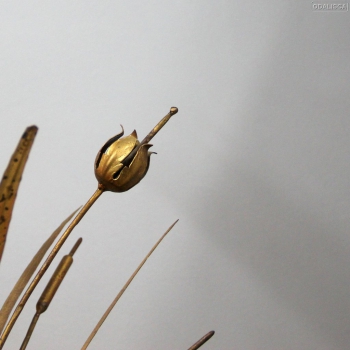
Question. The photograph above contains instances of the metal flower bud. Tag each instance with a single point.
(111, 170)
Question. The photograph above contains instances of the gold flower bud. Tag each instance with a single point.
(123, 161)
(111, 170)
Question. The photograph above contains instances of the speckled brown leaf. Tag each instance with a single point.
(28, 273)
(11, 179)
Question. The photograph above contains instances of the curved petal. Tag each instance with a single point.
(122, 147)
(106, 146)
(132, 175)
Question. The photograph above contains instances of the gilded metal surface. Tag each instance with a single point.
(131, 175)
(56, 280)
(50, 290)
(127, 180)
(111, 172)
(28, 273)
(151, 134)
(120, 149)
(46, 265)
(124, 161)
(11, 180)
(30, 331)
(154, 131)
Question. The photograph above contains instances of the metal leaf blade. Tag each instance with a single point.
(28, 273)
(119, 295)
(11, 180)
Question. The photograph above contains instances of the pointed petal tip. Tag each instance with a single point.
(147, 145)
(134, 133)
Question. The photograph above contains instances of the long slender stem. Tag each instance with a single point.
(46, 265)
(50, 291)
(30, 331)
(150, 135)
(28, 273)
(105, 315)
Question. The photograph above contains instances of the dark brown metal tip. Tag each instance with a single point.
(33, 127)
(75, 247)
(173, 110)
(201, 341)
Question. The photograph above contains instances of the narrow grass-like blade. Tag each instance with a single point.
(11, 179)
(28, 273)
(201, 341)
(105, 315)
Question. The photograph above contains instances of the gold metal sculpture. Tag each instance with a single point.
(28, 273)
(120, 164)
(11, 179)
(50, 290)
(123, 162)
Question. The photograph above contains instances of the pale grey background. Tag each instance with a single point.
(255, 165)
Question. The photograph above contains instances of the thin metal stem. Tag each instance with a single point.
(154, 131)
(47, 263)
(105, 315)
(75, 247)
(202, 340)
(150, 135)
(30, 331)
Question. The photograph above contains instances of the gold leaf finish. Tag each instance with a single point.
(138, 155)
(124, 161)
(50, 290)
(28, 273)
(11, 180)
(109, 166)
(133, 174)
